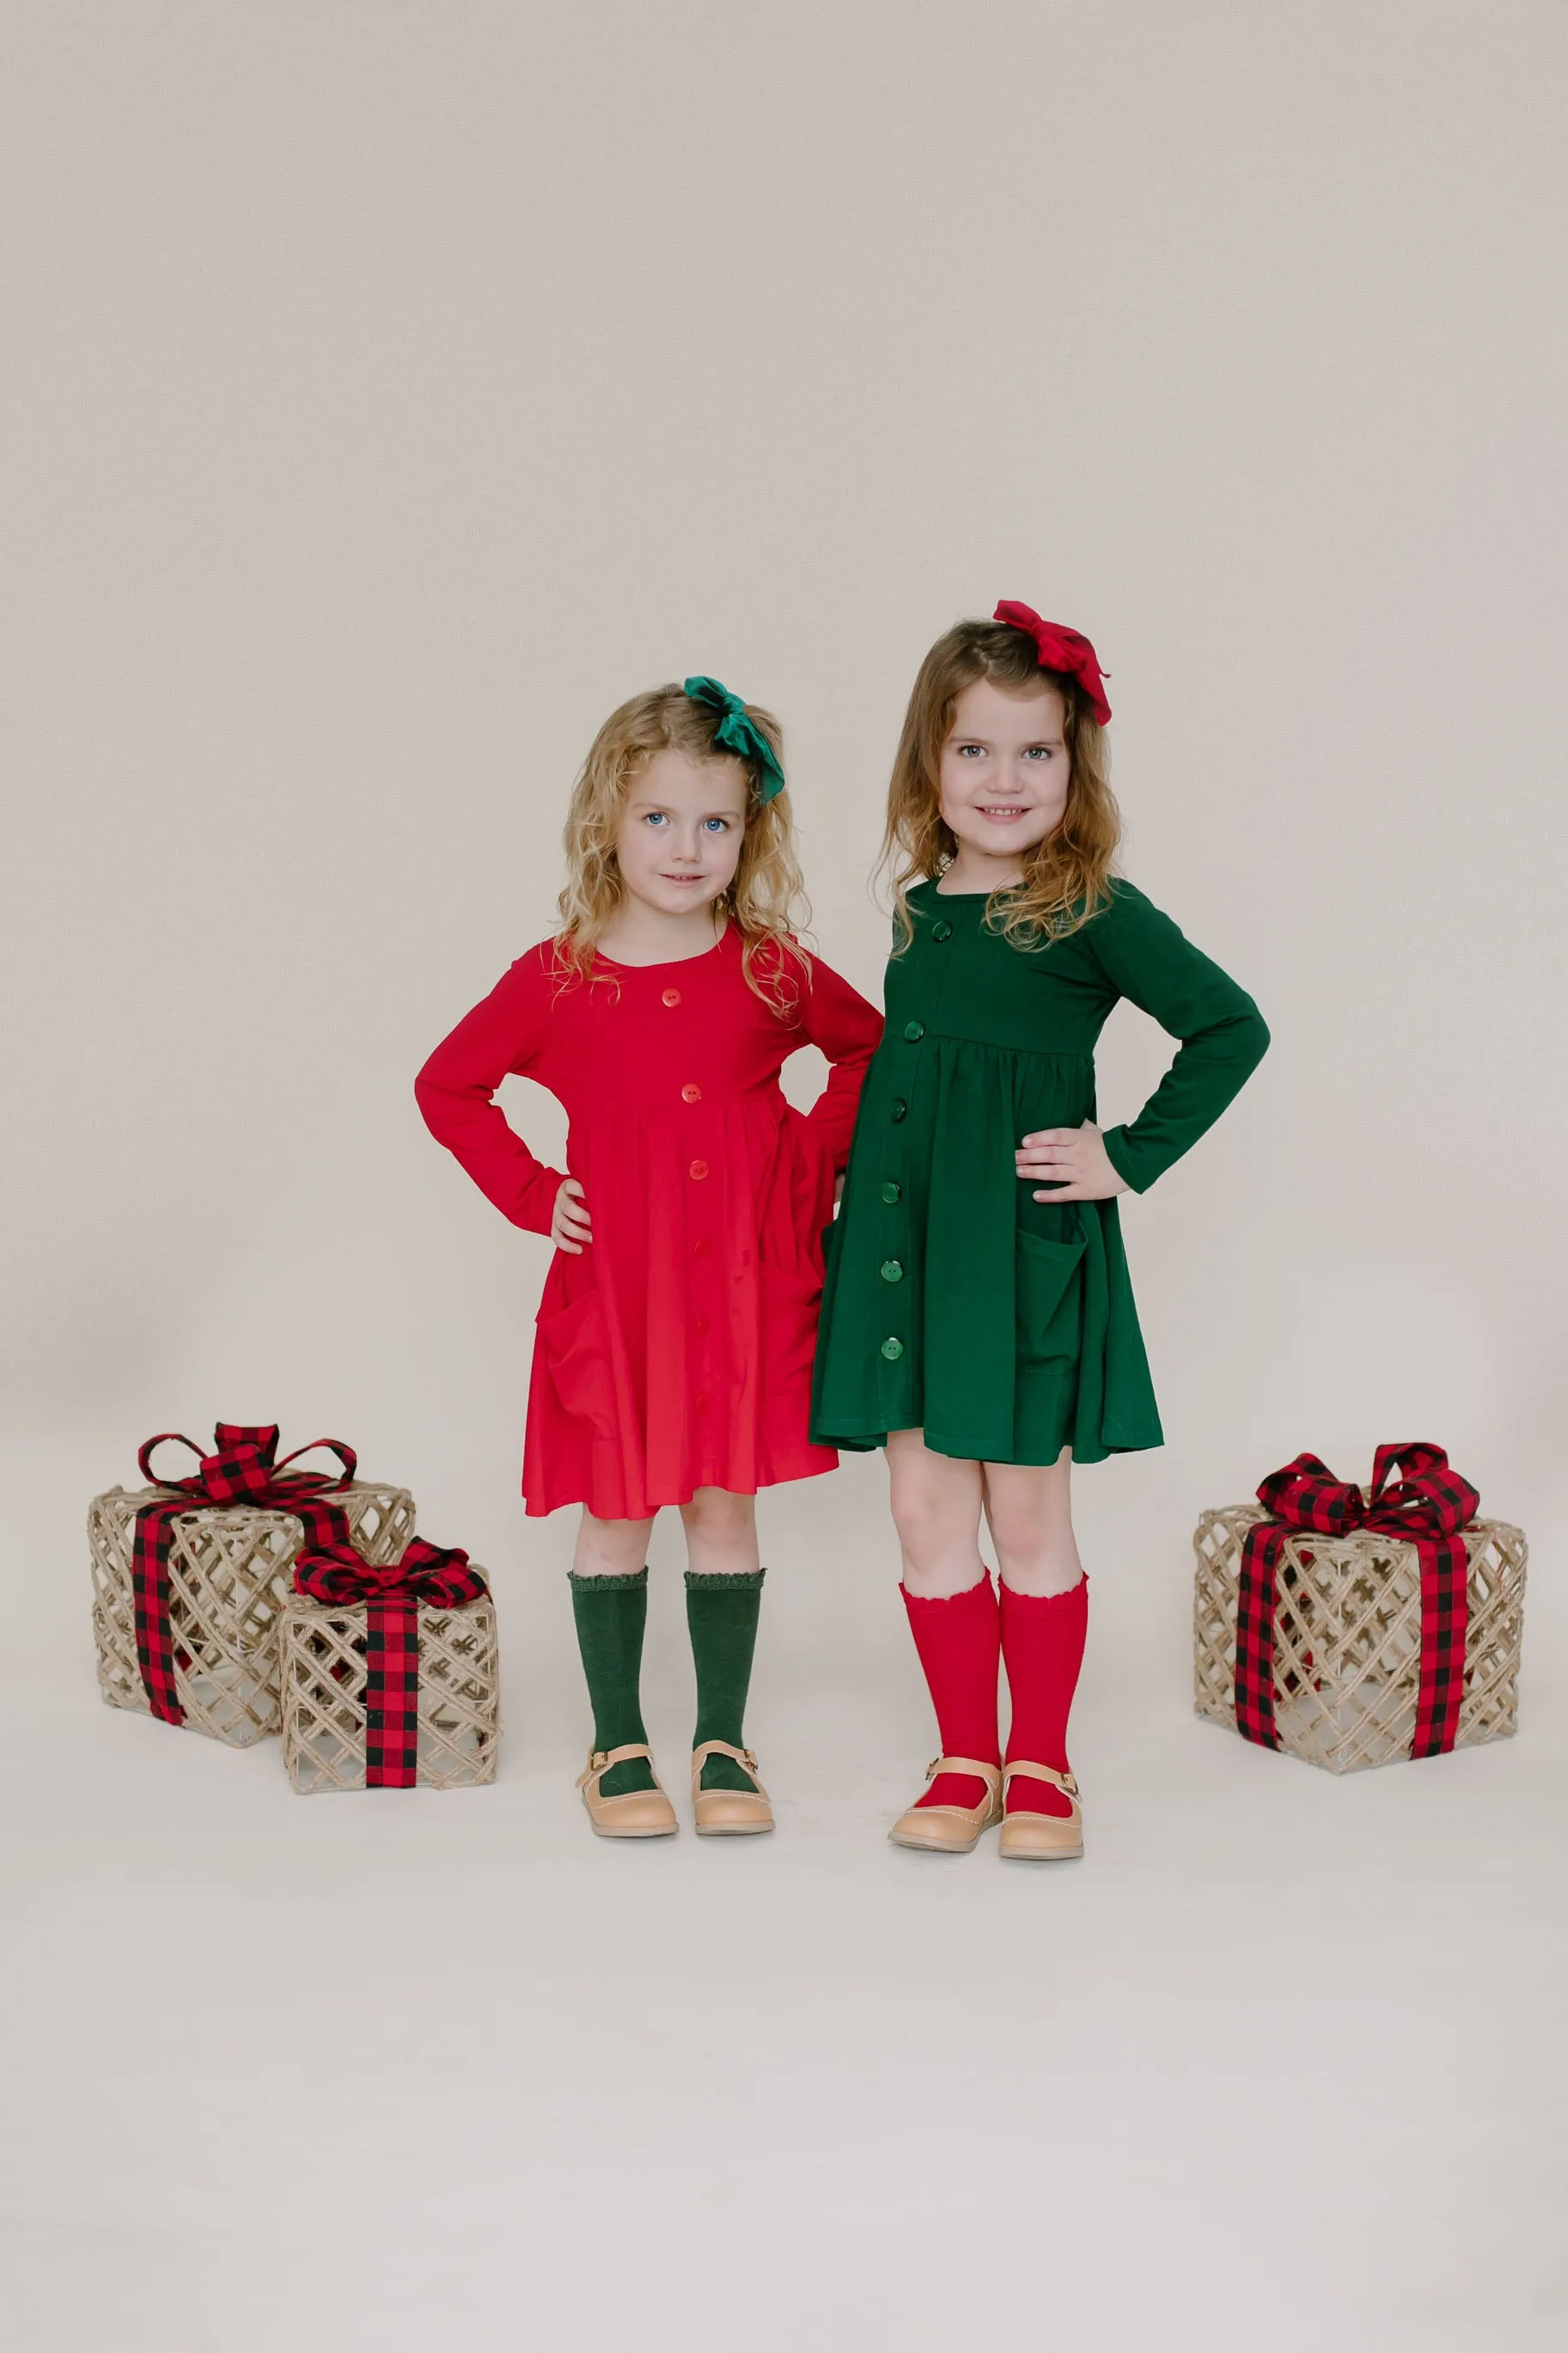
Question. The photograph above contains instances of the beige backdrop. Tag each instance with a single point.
(392, 388)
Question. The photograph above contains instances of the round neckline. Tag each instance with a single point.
(669, 963)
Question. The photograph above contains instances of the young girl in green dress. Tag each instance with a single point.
(977, 1320)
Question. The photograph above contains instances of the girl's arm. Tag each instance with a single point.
(836, 1020)
(456, 1092)
(1223, 1036)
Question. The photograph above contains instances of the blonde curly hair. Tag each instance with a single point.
(1066, 877)
(766, 900)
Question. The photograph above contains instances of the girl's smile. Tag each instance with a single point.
(1004, 778)
(678, 848)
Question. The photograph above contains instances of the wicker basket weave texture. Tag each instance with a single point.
(229, 1581)
(1348, 1638)
(323, 1696)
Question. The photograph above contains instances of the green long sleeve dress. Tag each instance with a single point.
(954, 1302)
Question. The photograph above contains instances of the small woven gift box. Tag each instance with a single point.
(391, 1674)
(1354, 1628)
(191, 1576)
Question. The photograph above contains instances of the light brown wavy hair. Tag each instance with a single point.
(1066, 877)
(766, 900)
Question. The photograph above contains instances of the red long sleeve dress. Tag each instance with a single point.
(676, 1351)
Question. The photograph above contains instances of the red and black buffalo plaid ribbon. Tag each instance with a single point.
(1429, 1507)
(243, 1467)
(428, 1576)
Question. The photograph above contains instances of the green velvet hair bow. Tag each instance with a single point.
(740, 734)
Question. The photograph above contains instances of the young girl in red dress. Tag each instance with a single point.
(673, 1355)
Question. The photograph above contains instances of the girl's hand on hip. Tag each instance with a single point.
(571, 1228)
(1073, 1161)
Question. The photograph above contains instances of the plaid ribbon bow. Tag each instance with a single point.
(1428, 1508)
(243, 1467)
(428, 1576)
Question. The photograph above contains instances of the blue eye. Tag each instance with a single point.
(716, 824)
(965, 749)
(656, 816)
(1042, 751)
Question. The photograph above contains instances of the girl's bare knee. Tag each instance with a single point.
(610, 1547)
(718, 1517)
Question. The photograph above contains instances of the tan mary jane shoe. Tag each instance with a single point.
(639, 1814)
(1042, 1838)
(727, 1813)
(952, 1830)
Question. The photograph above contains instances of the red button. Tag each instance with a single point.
(699, 1170)
(703, 1401)
(699, 1250)
(672, 996)
(691, 1093)
(703, 1328)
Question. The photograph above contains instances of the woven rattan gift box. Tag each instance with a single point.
(225, 1570)
(1348, 1638)
(391, 1678)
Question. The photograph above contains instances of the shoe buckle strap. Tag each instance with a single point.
(742, 1757)
(600, 1759)
(971, 1769)
(1059, 1780)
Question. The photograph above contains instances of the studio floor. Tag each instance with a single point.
(1278, 2064)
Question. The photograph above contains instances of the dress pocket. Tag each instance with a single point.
(577, 1358)
(790, 1306)
(1050, 1300)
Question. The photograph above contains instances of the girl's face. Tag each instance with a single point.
(1005, 769)
(681, 831)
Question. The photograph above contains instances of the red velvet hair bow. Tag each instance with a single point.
(1060, 649)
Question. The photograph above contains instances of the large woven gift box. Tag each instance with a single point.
(1354, 1627)
(191, 1576)
(390, 1673)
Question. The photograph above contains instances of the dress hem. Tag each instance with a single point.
(534, 1509)
(870, 1441)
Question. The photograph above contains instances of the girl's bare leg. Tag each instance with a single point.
(1028, 1509)
(610, 1547)
(936, 1502)
(721, 1533)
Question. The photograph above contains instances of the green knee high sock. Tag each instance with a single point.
(721, 1615)
(611, 1612)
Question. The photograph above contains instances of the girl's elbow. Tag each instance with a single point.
(1261, 1039)
(432, 1099)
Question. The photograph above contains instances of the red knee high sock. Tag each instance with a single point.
(959, 1644)
(1042, 1643)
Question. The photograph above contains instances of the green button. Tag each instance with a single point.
(900, 1109)
(892, 1191)
(891, 1271)
(914, 1031)
(892, 1350)
(942, 932)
